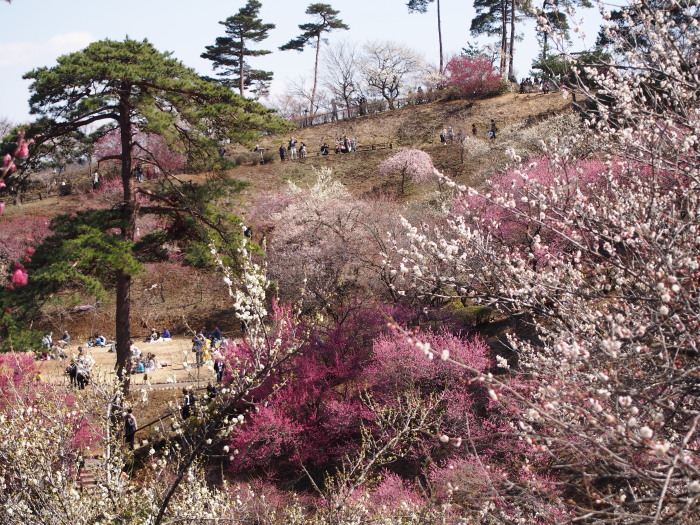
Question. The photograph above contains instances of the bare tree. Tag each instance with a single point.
(340, 76)
(6, 126)
(388, 67)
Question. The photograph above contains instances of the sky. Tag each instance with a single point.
(36, 32)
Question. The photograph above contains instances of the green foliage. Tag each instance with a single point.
(80, 255)
(229, 53)
(109, 78)
(16, 336)
(327, 20)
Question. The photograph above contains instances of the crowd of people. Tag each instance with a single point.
(528, 84)
(290, 150)
(448, 135)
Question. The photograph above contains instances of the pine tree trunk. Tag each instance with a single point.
(241, 70)
(504, 37)
(442, 67)
(128, 223)
(312, 109)
(511, 50)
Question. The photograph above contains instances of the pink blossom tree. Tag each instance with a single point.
(413, 164)
(471, 77)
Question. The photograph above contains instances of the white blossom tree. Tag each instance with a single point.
(609, 277)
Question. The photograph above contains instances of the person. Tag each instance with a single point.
(72, 372)
(47, 341)
(135, 352)
(302, 151)
(211, 391)
(219, 368)
(216, 335)
(474, 129)
(84, 365)
(65, 340)
(261, 151)
(324, 149)
(450, 134)
(283, 153)
(100, 340)
(129, 428)
(292, 148)
(198, 347)
(166, 334)
(153, 336)
(96, 181)
(188, 404)
(443, 138)
(494, 129)
(151, 363)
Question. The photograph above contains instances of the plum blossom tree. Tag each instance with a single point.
(610, 389)
(471, 77)
(413, 164)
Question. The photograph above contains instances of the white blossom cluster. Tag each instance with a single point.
(608, 276)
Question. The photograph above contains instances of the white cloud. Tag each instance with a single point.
(30, 54)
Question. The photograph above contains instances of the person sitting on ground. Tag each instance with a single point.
(64, 342)
(165, 334)
(151, 362)
(100, 340)
(91, 341)
(216, 335)
(135, 352)
(153, 336)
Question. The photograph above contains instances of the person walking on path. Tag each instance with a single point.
(129, 428)
(494, 130)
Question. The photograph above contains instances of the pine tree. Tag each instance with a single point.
(326, 21)
(493, 18)
(130, 86)
(229, 53)
(421, 6)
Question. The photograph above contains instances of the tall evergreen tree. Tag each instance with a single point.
(131, 86)
(326, 20)
(493, 17)
(229, 53)
(421, 6)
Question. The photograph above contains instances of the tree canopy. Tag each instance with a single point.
(131, 87)
(229, 53)
(326, 20)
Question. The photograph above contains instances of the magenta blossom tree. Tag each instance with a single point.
(413, 164)
(471, 78)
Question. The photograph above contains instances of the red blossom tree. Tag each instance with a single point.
(471, 78)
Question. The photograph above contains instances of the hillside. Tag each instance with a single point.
(188, 298)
